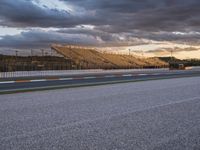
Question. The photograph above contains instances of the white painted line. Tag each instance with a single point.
(127, 75)
(41, 80)
(109, 76)
(142, 74)
(65, 79)
(7, 82)
(89, 78)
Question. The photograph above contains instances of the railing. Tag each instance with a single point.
(67, 72)
(41, 73)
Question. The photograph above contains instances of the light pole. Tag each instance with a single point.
(42, 52)
(31, 52)
(16, 53)
(171, 55)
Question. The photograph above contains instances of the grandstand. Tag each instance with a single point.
(89, 58)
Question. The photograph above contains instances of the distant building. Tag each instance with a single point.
(176, 65)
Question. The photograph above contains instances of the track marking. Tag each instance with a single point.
(22, 81)
(109, 76)
(41, 80)
(7, 82)
(52, 79)
(127, 75)
(142, 74)
(155, 74)
(89, 78)
(65, 79)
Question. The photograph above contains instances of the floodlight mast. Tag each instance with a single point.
(16, 53)
(171, 55)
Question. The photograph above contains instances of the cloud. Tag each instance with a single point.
(153, 15)
(118, 15)
(24, 13)
(191, 38)
(40, 38)
(117, 23)
(173, 50)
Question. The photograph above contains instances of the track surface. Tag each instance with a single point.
(151, 115)
(9, 85)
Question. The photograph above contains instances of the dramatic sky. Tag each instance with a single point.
(153, 26)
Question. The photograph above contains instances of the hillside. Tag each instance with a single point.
(24, 63)
(92, 59)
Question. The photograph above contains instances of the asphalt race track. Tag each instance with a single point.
(20, 84)
(150, 115)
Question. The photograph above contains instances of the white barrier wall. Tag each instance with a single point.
(66, 72)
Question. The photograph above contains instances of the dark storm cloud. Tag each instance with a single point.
(76, 36)
(117, 22)
(177, 37)
(154, 15)
(40, 38)
(121, 15)
(24, 13)
(103, 36)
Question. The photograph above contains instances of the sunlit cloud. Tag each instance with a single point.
(53, 4)
(9, 31)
